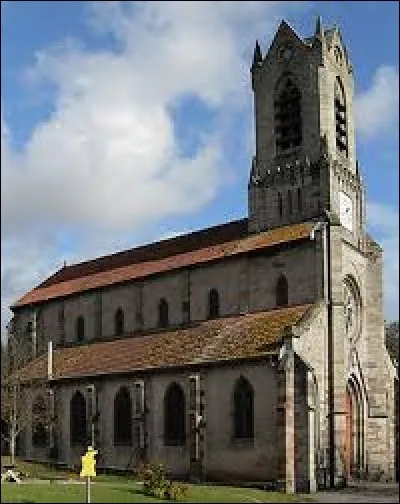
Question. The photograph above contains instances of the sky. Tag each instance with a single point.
(127, 122)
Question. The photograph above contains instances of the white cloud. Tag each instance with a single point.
(377, 108)
(107, 158)
(384, 221)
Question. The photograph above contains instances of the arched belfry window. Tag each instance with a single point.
(213, 304)
(287, 115)
(119, 322)
(282, 291)
(80, 328)
(77, 413)
(174, 415)
(122, 417)
(340, 118)
(243, 410)
(163, 319)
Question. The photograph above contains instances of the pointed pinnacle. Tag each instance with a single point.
(257, 57)
(319, 31)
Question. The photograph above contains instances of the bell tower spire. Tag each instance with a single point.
(304, 163)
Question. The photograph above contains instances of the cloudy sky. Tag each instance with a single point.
(126, 122)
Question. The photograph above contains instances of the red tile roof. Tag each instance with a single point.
(145, 268)
(158, 250)
(224, 339)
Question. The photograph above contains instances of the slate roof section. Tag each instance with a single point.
(140, 270)
(237, 337)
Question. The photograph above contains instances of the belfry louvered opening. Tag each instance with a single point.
(287, 115)
(340, 118)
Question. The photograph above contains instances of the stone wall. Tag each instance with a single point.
(244, 284)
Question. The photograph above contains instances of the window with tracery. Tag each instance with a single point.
(351, 308)
(287, 115)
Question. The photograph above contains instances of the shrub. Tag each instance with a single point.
(156, 484)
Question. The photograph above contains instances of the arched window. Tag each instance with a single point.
(299, 201)
(78, 432)
(338, 55)
(280, 209)
(80, 328)
(243, 406)
(123, 417)
(39, 434)
(119, 322)
(289, 197)
(287, 113)
(174, 415)
(213, 304)
(163, 320)
(340, 118)
(282, 295)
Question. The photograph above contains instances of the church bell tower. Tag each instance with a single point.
(305, 160)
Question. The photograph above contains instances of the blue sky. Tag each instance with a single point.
(126, 122)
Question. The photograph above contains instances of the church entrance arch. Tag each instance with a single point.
(354, 440)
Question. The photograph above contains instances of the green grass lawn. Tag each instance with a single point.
(131, 492)
(116, 488)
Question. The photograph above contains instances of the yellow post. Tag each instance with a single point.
(88, 468)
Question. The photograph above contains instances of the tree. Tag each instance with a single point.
(27, 401)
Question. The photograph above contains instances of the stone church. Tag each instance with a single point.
(249, 351)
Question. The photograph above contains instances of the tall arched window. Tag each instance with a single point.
(39, 434)
(287, 114)
(119, 322)
(282, 291)
(163, 320)
(340, 118)
(243, 406)
(280, 209)
(123, 417)
(174, 415)
(78, 426)
(80, 328)
(213, 304)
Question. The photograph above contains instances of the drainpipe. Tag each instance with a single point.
(331, 416)
(324, 227)
(50, 360)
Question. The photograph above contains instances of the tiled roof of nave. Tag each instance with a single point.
(164, 263)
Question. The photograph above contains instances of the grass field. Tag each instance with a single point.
(66, 486)
(131, 492)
